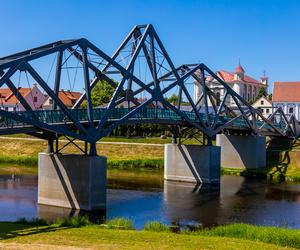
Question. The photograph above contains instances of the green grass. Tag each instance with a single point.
(274, 235)
(120, 223)
(21, 157)
(28, 165)
(156, 226)
(28, 161)
(19, 236)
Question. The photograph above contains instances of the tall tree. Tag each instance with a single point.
(101, 93)
(173, 99)
(262, 92)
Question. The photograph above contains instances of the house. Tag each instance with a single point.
(264, 105)
(33, 96)
(69, 98)
(287, 96)
(244, 85)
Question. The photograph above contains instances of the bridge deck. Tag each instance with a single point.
(160, 115)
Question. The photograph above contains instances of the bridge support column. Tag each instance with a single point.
(192, 163)
(72, 181)
(242, 152)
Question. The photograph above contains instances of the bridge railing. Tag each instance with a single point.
(59, 117)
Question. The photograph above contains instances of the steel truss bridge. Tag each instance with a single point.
(140, 67)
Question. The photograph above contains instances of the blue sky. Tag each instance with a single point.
(263, 34)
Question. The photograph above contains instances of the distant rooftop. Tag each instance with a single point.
(286, 92)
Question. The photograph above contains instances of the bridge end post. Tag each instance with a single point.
(192, 163)
(242, 152)
(72, 181)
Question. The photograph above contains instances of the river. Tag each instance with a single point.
(146, 196)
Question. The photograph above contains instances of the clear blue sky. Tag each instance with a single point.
(265, 35)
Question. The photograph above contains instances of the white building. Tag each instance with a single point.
(244, 85)
(287, 96)
(264, 105)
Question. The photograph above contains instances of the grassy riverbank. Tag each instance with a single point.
(63, 236)
(20, 157)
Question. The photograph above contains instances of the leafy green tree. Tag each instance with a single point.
(173, 99)
(270, 97)
(101, 94)
(261, 92)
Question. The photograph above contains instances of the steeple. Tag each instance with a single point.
(239, 72)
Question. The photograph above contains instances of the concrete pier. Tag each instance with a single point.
(72, 181)
(192, 163)
(242, 152)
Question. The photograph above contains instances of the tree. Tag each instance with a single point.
(173, 99)
(270, 97)
(101, 94)
(262, 92)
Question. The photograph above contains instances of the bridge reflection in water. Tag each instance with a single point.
(240, 200)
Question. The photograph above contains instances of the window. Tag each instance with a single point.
(50, 101)
(291, 110)
(262, 102)
(6, 108)
(14, 109)
(267, 111)
(34, 99)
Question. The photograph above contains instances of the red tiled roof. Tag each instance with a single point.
(286, 92)
(7, 96)
(68, 98)
(229, 77)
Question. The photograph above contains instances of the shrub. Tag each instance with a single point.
(120, 223)
(155, 226)
(154, 164)
(79, 221)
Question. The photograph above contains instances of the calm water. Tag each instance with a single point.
(146, 197)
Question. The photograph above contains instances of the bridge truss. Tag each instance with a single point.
(143, 78)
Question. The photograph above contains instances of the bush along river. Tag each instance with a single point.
(145, 196)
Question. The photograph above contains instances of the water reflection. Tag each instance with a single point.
(147, 197)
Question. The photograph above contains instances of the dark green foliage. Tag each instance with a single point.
(173, 99)
(143, 130)
(79, 221)
(270, 97)
(261, 92)
(138, 164)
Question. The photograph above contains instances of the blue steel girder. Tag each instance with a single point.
(142, 41)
